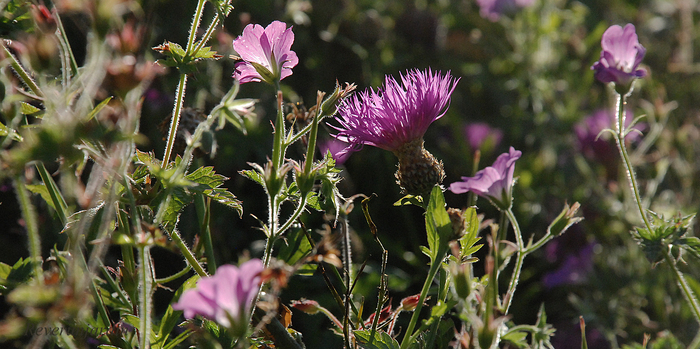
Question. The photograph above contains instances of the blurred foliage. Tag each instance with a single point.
(527, 74)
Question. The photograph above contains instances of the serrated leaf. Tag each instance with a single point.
(254, 176)
(381, 340)
(20, 272)
(206, 53)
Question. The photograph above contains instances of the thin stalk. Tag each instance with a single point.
(145, 290)
(680, 279)
(195, 24)
(311, 147)
(21, 72)
(278, 147)
(175, 120)
(297, 212)
(434, 267)
(191, 259)
(175, 276)
(63, 38)
(208, 33)
(204, 213)
(519, 262)
(29, 216)
(620, 139)
(55, 194)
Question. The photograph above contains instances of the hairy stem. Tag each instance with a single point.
(29, 216)
(175, 120)
(518, 264)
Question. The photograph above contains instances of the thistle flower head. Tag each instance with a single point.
(621, 55)
(265, 53)
(397, 113)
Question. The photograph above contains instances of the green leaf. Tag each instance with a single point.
(437, 224)
(27, 109)
(410, 200)
(20, 272)
(171, 317)
(43, 191)
(381, 340)
(297, 247)
(205, 53)
(98, 108)
(4, 131)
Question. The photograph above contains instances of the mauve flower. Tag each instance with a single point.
(494, 182)
(226, 297)
(395, 118)
(336, 148)
(266, 54)
(621, 55)
(493, 9)
(477, 133)
(593, 144)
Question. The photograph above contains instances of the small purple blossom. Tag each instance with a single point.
(621, 56)
(336, 148)
(479, 132)
(592, 143)
(494, 182)
(225, 297)
(493, 9)
(573, 270)
(395, 114)
(266, 54)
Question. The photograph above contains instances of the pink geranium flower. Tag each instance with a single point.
(622, 53)
(225, 297)
(266, 54)
(494, 182)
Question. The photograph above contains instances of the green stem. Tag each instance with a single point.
(195, 24)
(518, 264)
(278, 147)
(145, 289)
(21, 72)
(63, 38)
(175, 120)
(620, 139)
(208, 33)
(191, 259)
(680, 279)
(55, 194)
(297, 212)
(203, 212)
(175, 276)
(29, 216)
(434, 267)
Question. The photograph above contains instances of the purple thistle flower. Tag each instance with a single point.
(395, 118)
(225, 297)
(493, 9)
(494, 182)
(621, 56)
(479, 132)
(266, 54)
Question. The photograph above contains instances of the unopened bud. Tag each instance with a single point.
(308, 306)
(565, 219)
(410, 303)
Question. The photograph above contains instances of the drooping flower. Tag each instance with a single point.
(493, 9)
(226, 297)
(479, 132)
(621, 55)
(494, 182)
(266, 54)
(395, 118)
